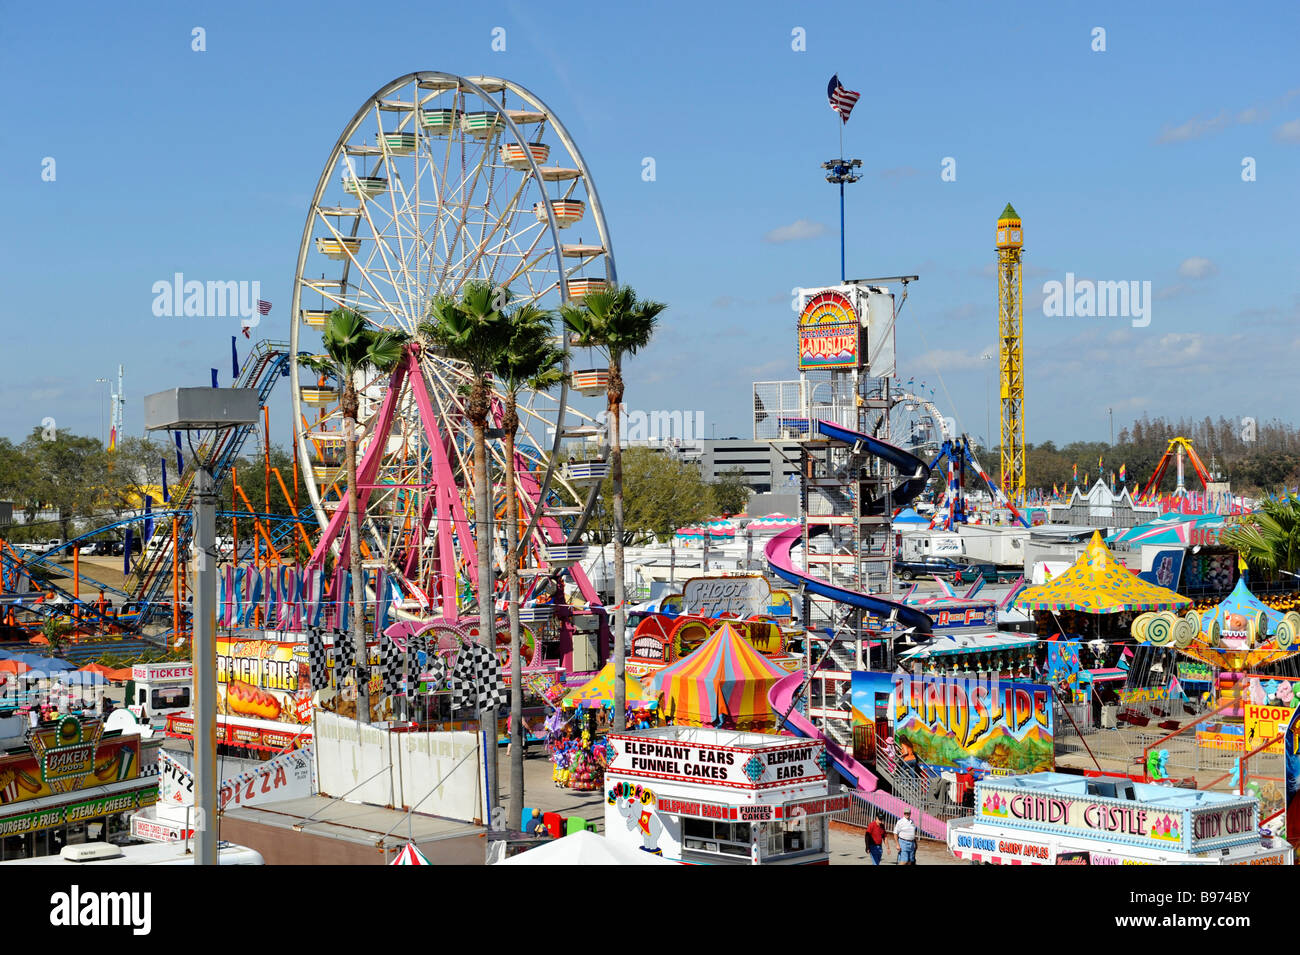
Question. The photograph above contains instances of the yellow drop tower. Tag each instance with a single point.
(1011, 364)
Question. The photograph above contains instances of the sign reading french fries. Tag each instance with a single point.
(264, 680)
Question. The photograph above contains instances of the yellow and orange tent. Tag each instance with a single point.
(599, 691)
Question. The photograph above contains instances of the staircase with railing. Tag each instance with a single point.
(150, 580)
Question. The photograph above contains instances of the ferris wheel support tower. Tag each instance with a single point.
(1011, 323)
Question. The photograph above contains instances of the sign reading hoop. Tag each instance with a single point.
(828, 332)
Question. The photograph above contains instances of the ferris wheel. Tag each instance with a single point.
(436, 181)
(916, 425)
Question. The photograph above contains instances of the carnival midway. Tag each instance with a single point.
(444, 646)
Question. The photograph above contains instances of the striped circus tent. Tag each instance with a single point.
(599, 691)
(771, 524)
(410, 855)
(1097, 583)
(724, 682)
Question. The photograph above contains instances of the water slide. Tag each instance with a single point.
(781, 699)
(783, 694)
(778, 549)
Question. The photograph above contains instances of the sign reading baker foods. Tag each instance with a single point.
(66, 750)
(734, 767)
(66, 756)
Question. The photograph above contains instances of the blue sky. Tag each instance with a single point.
(1125, 164)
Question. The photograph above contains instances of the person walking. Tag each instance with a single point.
(905, 837)
(875, 838)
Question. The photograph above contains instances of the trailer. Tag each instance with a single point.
(1060, 819)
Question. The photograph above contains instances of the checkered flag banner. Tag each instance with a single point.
(476, 680)
(436, 667)
(318, 659)
(414, 647)
(390, 665)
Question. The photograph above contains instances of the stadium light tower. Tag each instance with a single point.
(840, 171)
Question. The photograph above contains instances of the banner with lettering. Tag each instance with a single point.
(1291, 750)
(734, 767)
(61, 760)
(986, 726)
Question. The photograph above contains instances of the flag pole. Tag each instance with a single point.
(843, 271)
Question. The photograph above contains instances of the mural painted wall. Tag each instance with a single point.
(987, 727)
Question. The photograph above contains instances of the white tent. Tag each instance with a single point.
(585, 848)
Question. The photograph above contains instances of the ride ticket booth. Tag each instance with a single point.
(720, 797)
(1059, 819)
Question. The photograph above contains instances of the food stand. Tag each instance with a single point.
(1059, 819)
(69, 781)
(719, 797)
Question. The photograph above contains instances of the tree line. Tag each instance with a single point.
(1256, 457)
(66, 485)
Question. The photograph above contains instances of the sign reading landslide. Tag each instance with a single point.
(828, 332)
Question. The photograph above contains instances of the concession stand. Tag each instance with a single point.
(719, 797)
(1059, 819)
(68, 781)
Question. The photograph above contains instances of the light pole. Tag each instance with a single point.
(988, 393)
(838, 172)
(1111, 413)
(201, 409)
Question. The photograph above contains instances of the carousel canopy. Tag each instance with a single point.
(725, 678)
(1237, 609)
(599, 691)
(1097, 583)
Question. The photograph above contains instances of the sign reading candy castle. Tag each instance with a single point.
(1146, 815)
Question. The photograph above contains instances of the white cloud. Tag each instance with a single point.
(796, 231)
(1199, 126)
(951, 359)
(1197, 268)
(1194, 128)
(1288, 132)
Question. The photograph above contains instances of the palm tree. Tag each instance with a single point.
(473, 330)
(351, 346)
(529, 360)
(1269, 538)
(615, 323)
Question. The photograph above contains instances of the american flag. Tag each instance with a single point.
(264, 306)
(842, 100)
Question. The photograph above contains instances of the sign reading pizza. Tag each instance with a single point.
(828, 332)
